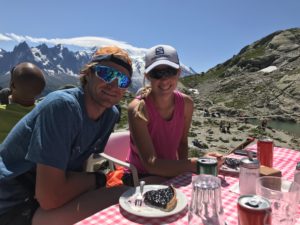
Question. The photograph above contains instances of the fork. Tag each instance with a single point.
(139, 198)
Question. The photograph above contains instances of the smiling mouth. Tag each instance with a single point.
(165, 88)
(108, 93)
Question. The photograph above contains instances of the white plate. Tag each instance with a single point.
(127, 199)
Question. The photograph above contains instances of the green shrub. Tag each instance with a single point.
(192, 134)
(195, 153)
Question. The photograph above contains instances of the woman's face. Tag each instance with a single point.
(163, 79)
(104, 94)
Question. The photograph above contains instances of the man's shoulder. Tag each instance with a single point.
(62, 96)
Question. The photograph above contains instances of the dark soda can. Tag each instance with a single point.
(265, 148)
(207, 165)
(254, 209)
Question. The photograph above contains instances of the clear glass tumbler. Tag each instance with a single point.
(284, 197)
(206, 206)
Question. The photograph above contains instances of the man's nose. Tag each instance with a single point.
(114, 83)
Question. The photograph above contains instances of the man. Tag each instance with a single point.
(26, 83)
(51, 144)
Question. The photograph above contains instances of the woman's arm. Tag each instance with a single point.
(141, 137)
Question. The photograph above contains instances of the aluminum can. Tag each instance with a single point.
(249, 172)
(265, 148)
(207, 165)
(254, 209)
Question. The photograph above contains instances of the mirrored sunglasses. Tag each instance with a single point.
(165, 72)
(109, 74)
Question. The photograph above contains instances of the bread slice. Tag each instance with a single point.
(163, 199)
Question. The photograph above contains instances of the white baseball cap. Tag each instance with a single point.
(161, 55)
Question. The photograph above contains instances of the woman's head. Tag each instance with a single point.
(162, 68)
(161, 55)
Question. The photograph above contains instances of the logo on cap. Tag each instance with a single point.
(159, 51)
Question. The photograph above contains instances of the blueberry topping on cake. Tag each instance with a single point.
(164, 199)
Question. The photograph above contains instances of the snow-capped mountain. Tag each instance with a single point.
(62, 65)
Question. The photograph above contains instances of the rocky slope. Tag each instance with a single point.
(262, 81)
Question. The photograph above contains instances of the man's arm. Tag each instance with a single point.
(55, 187)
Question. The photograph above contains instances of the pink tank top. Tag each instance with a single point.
(166, 135)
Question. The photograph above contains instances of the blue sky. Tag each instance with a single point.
(205, 32)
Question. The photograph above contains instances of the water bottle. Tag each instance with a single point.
(249, 172)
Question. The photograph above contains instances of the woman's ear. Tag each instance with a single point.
(146, 76)
(179, 71)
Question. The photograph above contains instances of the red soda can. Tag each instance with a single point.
(254, 210)
(265, 148)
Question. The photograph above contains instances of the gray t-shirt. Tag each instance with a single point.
(57, 133)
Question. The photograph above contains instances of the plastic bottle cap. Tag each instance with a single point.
(251, 164)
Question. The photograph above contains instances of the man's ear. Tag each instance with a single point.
(88, 75)
(12, 70)
(11, 85)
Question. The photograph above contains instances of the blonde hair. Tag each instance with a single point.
(84, 72)
(139, 110)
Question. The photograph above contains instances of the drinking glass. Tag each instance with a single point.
(284, 197)
(206, 205)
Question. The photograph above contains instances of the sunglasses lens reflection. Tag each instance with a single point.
(109, 74)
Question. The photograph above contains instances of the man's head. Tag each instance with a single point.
(107, 54)
(27, 82)
(107, 76)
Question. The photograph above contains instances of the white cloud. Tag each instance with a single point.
(4, 38)
(85, 42)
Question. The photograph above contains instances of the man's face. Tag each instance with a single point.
(103, 94)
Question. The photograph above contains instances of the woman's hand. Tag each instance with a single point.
(216, 155)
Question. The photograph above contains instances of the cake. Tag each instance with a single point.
(164, 198)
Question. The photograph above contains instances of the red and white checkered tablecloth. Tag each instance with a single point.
(284, 160)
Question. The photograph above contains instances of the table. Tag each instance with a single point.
(284, 160)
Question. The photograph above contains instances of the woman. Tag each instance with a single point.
(159, 120)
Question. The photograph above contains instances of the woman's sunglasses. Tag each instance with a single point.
(165, 72)
(109, 74)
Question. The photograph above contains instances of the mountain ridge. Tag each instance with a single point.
(62, 65)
